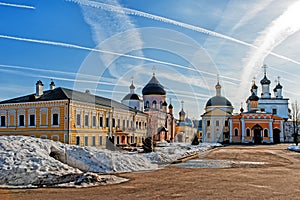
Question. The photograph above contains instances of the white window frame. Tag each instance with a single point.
(86, 140)
(32, 112)
(55, 110)
(78, 112)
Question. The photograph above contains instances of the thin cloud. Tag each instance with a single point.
(16, 5)
(67, 45)
(280, 29)
(117, 9)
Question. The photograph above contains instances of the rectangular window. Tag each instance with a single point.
(86, 120)
(113, 122)
(208, 123)
(226, 123)
(217, 123)
(31, 120)
(21, 120)
(94, 121)
(119, 123)
(127, 124)
(101, 122)
(107, 122)
(274, 111)
(55, 119)
(86, 140)
(3, 121)
(94, 140)
(78, 119)
(100, 140)
(77, 140)
(123, 123)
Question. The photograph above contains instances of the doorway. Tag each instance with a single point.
(276, 136)
(257, 130)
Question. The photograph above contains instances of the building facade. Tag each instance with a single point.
(265, 119)
(161, 122)
(185, 128)
(218, 109)
(72, 117)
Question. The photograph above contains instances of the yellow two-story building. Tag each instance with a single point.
(72, 117)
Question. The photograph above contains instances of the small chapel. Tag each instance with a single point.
(265, 116)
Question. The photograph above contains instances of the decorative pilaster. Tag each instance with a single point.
(230, 129)
(243, 130)
(271, 130)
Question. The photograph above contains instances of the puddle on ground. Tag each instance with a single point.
(197, 163)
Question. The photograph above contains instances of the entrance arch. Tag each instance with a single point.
(276, 136)
(257, 131)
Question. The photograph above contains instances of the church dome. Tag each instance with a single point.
(253, 97)
(265, 81)
(218, 101)
(164, 103)
(181, 113)
(278, 86)
(154, 87)
(254, 86)
(132, 97)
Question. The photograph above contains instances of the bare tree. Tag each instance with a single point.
(295, 112)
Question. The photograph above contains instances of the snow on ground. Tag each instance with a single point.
(33, 162)
(26, 162)
(177, 150)
(293, 147)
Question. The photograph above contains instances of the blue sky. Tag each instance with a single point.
(100, 45)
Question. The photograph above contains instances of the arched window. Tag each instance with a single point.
(266, 133)
(147, 104)
(154, 104)
(247, 132)
(160, 104)
(236, 132)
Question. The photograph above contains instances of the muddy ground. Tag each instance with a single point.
(278, 178)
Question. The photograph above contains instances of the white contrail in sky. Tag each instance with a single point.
(107, 52)
(129, 11)
(280, 29)
(16, 5)
(55, 77)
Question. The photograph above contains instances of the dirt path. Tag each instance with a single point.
(278, 179)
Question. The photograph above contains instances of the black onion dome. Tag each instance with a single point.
(132, 97)
(164, 103)
(181, 113)
(278, 86)
(170, 106)
(254, 86)
(265, 81)
(253, 97)
(154, 87)
(218, 101)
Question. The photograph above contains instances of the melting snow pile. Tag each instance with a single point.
(31, 162)
(293, 147)
(176, 151)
